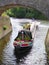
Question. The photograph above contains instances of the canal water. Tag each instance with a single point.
(34, 56)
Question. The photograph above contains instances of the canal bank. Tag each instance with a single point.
(5, 26)
(5, 33)
(3, 43)
(47, 46)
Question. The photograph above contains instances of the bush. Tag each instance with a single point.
(21, 12)
(4, 27)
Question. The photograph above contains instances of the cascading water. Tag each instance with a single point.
(34, 56)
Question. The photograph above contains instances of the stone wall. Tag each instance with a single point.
(41, 5)
(47, 46)
(5, 26)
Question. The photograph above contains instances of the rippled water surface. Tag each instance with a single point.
(34, 56)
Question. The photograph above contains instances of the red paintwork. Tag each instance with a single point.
(24, 44)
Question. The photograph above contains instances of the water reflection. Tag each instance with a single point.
(13, 57)
(3, 44)
(20, 56)
(34, 56)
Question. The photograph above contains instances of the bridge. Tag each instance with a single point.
(40, 5)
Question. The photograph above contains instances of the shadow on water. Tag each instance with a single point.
(3, 43)
(21, 54)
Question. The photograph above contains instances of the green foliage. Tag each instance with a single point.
(27, 38)
(4, 27)
(5, 14)
(26, 26)
(21, 12)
